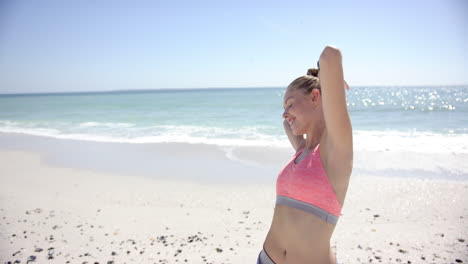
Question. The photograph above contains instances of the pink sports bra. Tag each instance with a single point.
(305, 186)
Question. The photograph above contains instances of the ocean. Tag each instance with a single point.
(399, 118)
(399, 131)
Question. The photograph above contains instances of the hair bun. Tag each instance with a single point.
(313, 72)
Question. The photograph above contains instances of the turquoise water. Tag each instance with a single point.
(245, 116)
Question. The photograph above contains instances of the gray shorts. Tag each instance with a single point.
(263, 258)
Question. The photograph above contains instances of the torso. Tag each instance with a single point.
(299, 237)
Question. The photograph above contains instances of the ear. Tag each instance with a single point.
(315, 95)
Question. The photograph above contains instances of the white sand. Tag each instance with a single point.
(78, 216)
(96, 214)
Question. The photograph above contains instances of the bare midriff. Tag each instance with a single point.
(298, 237)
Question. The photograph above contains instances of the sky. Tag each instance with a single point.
(65, 46)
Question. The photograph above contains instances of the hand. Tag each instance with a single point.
(330, 51)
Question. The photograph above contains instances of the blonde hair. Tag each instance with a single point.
(307, 83)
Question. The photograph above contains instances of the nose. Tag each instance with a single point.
(285, 114)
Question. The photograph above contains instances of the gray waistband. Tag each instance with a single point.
(326, 216)
(264, 258)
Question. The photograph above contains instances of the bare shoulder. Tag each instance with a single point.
(338, 164)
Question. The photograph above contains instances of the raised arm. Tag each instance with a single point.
(335, 110)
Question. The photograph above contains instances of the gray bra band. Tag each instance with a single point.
(326, 216)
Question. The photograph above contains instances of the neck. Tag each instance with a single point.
(314, 137)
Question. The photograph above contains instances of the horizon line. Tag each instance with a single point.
(203, 88)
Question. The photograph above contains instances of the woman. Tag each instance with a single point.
(311, 188)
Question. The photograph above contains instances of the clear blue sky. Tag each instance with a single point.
(59, 46)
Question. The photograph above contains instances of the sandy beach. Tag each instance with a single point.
(153, 132)
(65, 208)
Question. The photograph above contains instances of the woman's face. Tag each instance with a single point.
(301, 111)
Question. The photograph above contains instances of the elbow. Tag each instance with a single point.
(332, 50)
(330, 53)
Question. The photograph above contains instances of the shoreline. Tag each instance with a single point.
(147, 160)
(263, 163)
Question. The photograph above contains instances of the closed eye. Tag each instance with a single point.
(286, 105)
